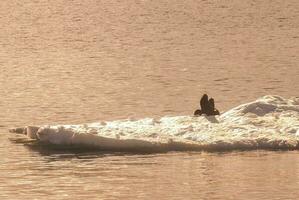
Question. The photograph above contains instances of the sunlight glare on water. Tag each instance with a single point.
(71, 61)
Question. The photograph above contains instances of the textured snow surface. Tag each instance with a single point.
(270, 122)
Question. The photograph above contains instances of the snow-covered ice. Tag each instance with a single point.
(270, 122)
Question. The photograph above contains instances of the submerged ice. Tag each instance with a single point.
(269, 122)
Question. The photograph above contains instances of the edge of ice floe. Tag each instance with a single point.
(64, 135)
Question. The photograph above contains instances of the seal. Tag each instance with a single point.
(207, 107)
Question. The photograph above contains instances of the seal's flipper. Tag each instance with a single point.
(212, 103)
(197, 112)
(216, 112)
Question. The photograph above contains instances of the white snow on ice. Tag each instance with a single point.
(269, 122)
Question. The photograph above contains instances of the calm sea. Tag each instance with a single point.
(72, 61)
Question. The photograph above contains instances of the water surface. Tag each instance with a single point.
(70, 61)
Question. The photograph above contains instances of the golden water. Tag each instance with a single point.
(77, 61)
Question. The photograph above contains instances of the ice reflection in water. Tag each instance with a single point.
(59, 174)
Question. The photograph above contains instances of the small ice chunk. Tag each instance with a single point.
(31, 131)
